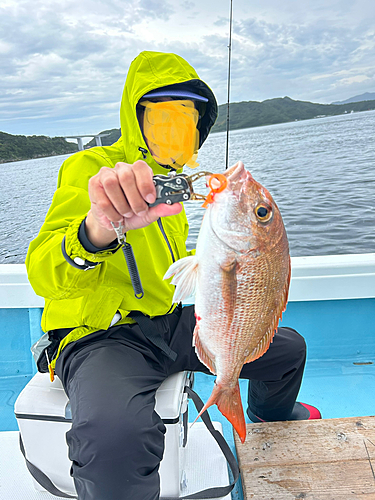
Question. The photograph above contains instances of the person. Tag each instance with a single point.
(99, 331)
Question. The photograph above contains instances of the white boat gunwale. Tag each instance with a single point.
(328, 277)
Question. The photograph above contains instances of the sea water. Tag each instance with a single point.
(321, 173)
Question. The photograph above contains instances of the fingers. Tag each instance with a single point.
(136, 182)
(164, 210)
(103, 187)
(122, 194)
(122, 191)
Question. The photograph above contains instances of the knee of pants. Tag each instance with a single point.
(297, 344)
(135, 438)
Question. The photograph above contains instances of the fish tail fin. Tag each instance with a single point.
(228, 400)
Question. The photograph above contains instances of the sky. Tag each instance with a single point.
(63, 63)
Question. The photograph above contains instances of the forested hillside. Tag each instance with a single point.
(254, 114)
(22, 147)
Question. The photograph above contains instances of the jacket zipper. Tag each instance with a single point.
(170, 250)
(166, 238)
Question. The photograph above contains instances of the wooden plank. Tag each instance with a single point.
(331, 459)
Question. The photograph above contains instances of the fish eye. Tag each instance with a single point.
(263, 212)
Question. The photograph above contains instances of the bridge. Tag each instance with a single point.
(79, 138)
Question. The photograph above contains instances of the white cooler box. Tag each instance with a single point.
(43, 415)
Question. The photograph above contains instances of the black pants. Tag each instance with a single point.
(117, 439)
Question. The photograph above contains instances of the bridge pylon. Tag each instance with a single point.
(79, 138)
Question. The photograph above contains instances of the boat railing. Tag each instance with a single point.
(328, 277)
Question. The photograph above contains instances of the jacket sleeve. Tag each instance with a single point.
(49, 273)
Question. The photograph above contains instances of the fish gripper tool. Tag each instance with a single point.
(174, 188)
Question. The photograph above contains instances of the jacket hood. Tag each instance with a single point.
(150, 71)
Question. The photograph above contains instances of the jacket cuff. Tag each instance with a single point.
(75, 249)
(86, 243)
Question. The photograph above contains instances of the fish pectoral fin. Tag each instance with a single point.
(184, 273)
(228, 400)
(228, 270)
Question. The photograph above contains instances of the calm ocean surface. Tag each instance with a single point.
(320, 172)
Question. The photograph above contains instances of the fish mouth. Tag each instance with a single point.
(238, 172)
(234, 174)
(237, 177)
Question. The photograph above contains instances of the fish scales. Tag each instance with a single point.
(240, 275)
(249, 317)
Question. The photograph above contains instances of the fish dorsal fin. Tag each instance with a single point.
(262, 346)
(184, 273)
(265, 341)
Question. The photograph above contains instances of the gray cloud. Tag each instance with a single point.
(296, 57)
(63, 65)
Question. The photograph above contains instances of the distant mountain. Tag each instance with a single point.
(22, 147)
(280, 110)
(368, 96)
(114, 135)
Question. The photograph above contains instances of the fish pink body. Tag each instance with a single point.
(240, 276)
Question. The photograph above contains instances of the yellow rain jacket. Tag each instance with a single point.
(88, 300)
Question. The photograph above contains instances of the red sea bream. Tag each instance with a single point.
(240, 275)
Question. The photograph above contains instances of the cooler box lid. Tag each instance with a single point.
(170, 397)
(42, 397)
(45, 398)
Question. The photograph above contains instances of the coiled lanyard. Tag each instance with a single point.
(130, 260)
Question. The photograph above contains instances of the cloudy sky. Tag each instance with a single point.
(63, 63)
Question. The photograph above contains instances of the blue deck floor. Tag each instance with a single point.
(10, 387)
(340, 335)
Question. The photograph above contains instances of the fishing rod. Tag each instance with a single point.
(228, 84)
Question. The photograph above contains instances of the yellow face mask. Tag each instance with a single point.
(170, 129)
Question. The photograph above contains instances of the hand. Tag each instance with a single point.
(121, 194)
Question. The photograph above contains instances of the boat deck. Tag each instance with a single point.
(321, 459)
(338, 388)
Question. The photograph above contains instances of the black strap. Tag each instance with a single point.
(219, 491)
(41, 478)
(84, 264)
(151, 333)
